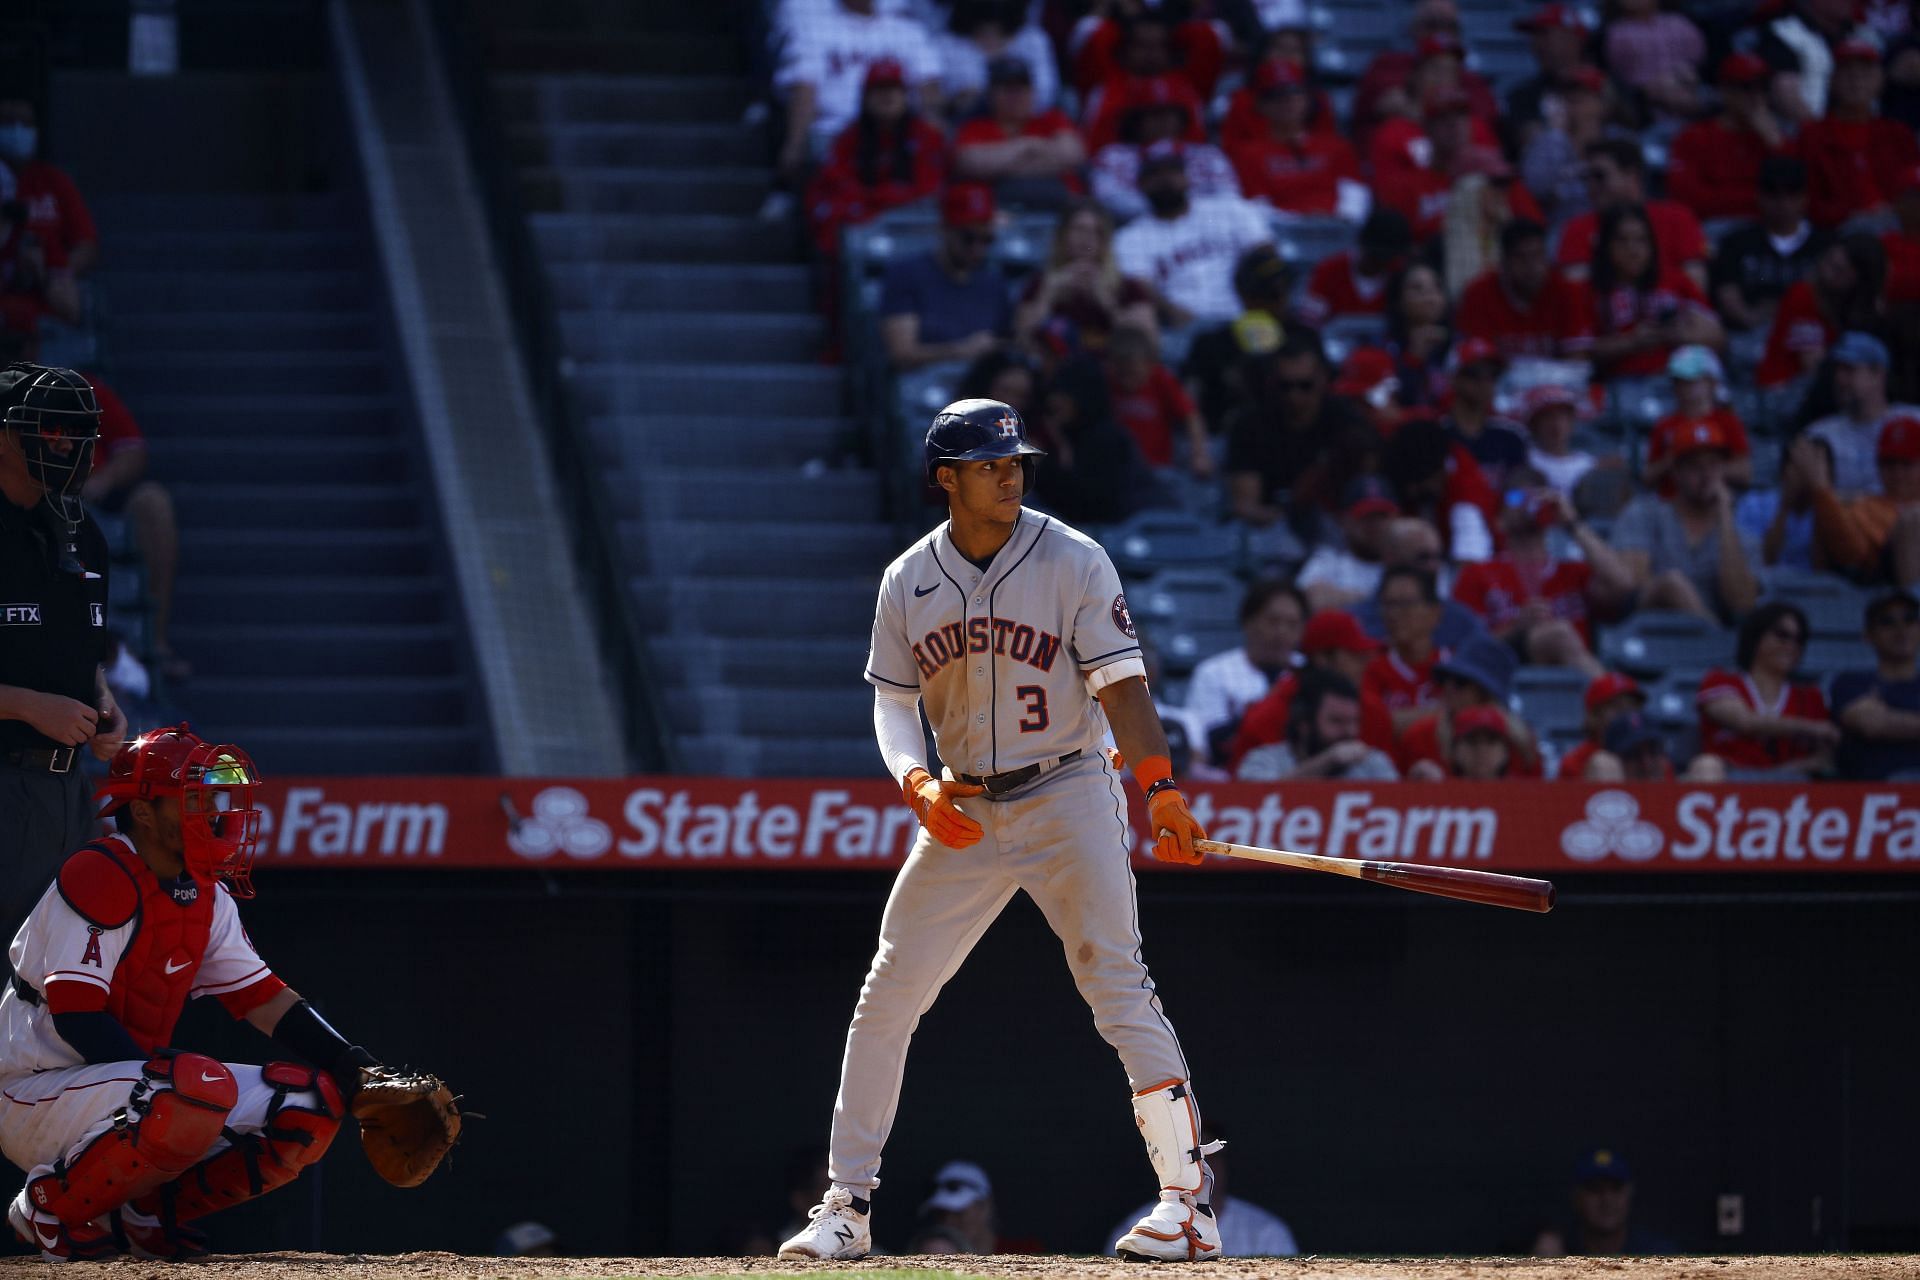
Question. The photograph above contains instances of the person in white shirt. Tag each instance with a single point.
(824, 63)
(978, 35)
(1337, 577)
(1188, 248)
(1549, 411)
(1272, 616)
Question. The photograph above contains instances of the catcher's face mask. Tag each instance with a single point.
(214, 782)
(58, 421)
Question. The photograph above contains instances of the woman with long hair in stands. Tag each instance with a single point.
(1755, 717)
(1082, 285)
(1419, 334)
(888, 157)
(1845, 292)
(1638, 309)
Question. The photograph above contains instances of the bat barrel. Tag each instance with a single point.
(1519, 892)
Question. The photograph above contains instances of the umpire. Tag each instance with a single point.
(54, 701)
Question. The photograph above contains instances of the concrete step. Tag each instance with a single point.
(610, 388)
(614, 287)
(170, 290)
(208, 592)
(617, 238)
(750, 547)
(283, 750)
(769, 711)
(691, 439)
(786, 661)
(330, 700)
(640, 144)
(210, 504)
(598, 99)
(135, 212)
(733, 191)
(244, 332)
(230, 250)
(323, 461)
(245, 420)
(735, 756)
(298, 553)
(281, 373)
(614, 52)
(723, 496)
(718, 336)
(274, 648)
(747, 607)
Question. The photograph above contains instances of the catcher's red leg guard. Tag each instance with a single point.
(175, 1113)
(295, 1134)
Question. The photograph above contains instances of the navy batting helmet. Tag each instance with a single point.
(973, 430)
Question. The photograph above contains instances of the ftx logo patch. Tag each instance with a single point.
(19, 615)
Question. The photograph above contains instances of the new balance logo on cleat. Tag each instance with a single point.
(844, 1235)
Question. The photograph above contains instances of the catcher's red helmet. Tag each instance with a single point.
(214, 782)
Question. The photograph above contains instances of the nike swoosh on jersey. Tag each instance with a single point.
(175, 968)
(926, 591)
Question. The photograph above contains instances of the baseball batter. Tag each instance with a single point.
(1011, 628)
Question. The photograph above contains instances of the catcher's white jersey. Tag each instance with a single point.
(1000, 655)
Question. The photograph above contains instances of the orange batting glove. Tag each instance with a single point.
(932, 801)
(1174, 825)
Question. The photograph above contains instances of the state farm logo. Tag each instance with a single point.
(1613, 825)
(560, 824)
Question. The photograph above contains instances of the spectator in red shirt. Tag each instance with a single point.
(1438, 481)
(118, 487)
(1290, 166)
(1423, 193)
(1402, 675)
(1713, 166)
(1354, 282)
(1032, 159)
(1382, 91)
(1557, 37)
(1847, 291)
(1243, 122)
(1081, 285)
(1158, 118)
(1902, 244)
(1521, 306)
(1132, 39)
(1476, 676)
(56, 215)
(1699, 396)
(1639, 310)
(1855, 160)
(1616, 175)
(29, 289)
(1332, 641)
(888, 157)
(1541, 606)
(1609, 696)
(1754, 717)
(1395, 143)
(1151, 404)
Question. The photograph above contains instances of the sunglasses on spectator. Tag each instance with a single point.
(1792, 635)
(1900, 618)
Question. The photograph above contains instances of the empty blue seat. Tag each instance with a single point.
(1200, 597)
(1182, 647)
(1660, 640)
(1156, 540)
(1550, 699)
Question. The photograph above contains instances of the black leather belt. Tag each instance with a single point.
(998, 784)
(57, 760)
(25, 991)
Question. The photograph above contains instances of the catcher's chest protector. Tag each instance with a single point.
(151, 982)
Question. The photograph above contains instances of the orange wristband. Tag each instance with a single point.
(1151, 770)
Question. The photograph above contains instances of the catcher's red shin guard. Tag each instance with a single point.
(174, 1114)
(295, 1134)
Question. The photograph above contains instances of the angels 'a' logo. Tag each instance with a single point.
(1122, 618)
(1009, 426)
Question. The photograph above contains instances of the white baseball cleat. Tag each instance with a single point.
(1178, 1230)
(835, 1229)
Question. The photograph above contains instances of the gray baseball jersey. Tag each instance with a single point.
(1000, 655)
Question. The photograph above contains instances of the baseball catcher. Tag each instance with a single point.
(125, 1141)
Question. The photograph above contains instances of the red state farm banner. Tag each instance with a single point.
(680, 823)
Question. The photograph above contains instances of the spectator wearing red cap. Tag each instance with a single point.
(1855, 160)
(1324, 737)
(1699, 395)
(949, 303)
(1146, 41)
(1401, 676)
(1683, 549)
(1368, 378)
(1755, 717)
(1244, 123)
(1616, 175)
(1757, 263)
(1845, 292)
(1638, 309)
(1557, 37)
(1554, 160)
(1544, 607)
(1032, 157)
(1383, 89)
(1424, 192)
(1152, 405)
(1482, 749)
(1333, 642)
(888, 157)
(1656, 53)
(1339, 574)
(823, 66)
(1610, 695)
(1083, 286)
(1396, 143)
(1521, 307)
(1497, 443)
(1187, 246)
(1273, 615)
(1155, 126)
(1549, 411)
(1875, 537)
(1289, 165)
(1902, 243)
(1354, 281)
(1473, 680)
(1713, 166)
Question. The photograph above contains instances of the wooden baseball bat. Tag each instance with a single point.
(1492, 888)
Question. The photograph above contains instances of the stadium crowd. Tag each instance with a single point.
(1519, 351)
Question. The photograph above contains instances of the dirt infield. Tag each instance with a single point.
(447, 1266)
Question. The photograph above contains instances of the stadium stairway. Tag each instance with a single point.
(694, 354)
(312, 601)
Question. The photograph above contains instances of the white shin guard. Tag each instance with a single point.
(1169, 1124)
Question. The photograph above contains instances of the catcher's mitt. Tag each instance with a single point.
(408, 1122)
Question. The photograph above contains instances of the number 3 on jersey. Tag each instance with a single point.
(1036, 720)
